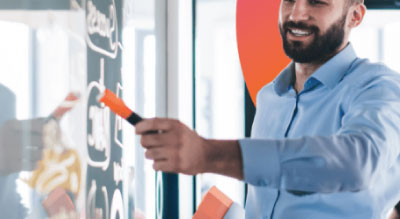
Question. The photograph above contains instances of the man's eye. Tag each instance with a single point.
(316, 2)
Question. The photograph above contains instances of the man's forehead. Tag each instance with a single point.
(333, 4)
(336, 2)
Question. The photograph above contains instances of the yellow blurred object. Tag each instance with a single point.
(57, 170)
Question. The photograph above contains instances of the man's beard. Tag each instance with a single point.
(321, 49)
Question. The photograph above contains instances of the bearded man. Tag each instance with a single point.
(325, 139)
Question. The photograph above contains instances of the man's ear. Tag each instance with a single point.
(357, 15)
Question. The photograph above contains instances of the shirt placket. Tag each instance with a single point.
(294, 99)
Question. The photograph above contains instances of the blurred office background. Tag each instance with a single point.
(179, 60)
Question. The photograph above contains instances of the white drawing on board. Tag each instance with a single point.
(117, 207)
(91, 210)
(97, 23)
(99, 138)
(118, 120)
(118, 173)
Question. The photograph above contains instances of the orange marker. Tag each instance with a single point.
(69, 102)
(118, 106)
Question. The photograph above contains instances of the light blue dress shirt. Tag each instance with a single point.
(331, 151)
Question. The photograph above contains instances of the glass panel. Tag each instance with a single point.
(41, 149)
(63, 154)
(377, 38)
(138, 76)
(219, 85)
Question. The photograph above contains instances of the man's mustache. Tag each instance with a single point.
(299, 25)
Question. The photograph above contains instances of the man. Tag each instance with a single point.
(325, 139)
(20, 150)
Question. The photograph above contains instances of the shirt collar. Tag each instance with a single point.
(329, 74)
(285, 79)
(333, 71)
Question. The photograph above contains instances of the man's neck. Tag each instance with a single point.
(304, 70)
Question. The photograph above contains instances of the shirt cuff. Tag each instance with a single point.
(261, 163)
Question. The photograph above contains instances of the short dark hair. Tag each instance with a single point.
(349, 3)
(352, 2)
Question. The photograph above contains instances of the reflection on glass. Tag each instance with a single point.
(44, 59)
(219, 85)
(39, 159)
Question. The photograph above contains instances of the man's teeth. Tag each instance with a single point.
(298, 32)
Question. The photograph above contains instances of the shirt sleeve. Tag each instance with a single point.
(350, 160)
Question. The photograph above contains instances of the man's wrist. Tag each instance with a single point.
(223, 157)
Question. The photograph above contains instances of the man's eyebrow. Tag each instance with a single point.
(325, 1)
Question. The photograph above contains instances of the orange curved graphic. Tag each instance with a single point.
(260, 46)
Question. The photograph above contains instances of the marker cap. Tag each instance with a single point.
(114, 103)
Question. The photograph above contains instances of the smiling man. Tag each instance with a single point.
(326, 135)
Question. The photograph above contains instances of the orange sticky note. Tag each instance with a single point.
(214, 205)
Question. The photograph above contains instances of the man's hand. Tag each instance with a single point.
(21, 145)
(176, 148)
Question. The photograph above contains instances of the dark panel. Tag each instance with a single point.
(170, 207)
(104, 168)
(382, 4)
(250, 111)
(194, 13)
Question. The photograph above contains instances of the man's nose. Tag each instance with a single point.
(299, 11)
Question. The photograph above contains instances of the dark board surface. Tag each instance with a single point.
(104, 172)
(382, 4)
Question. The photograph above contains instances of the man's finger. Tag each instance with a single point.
(156, 140)
(163, 165)
(147, 125)
(157, 153)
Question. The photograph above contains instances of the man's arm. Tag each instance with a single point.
(350, 160)
(21, 145)
(178, 149)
